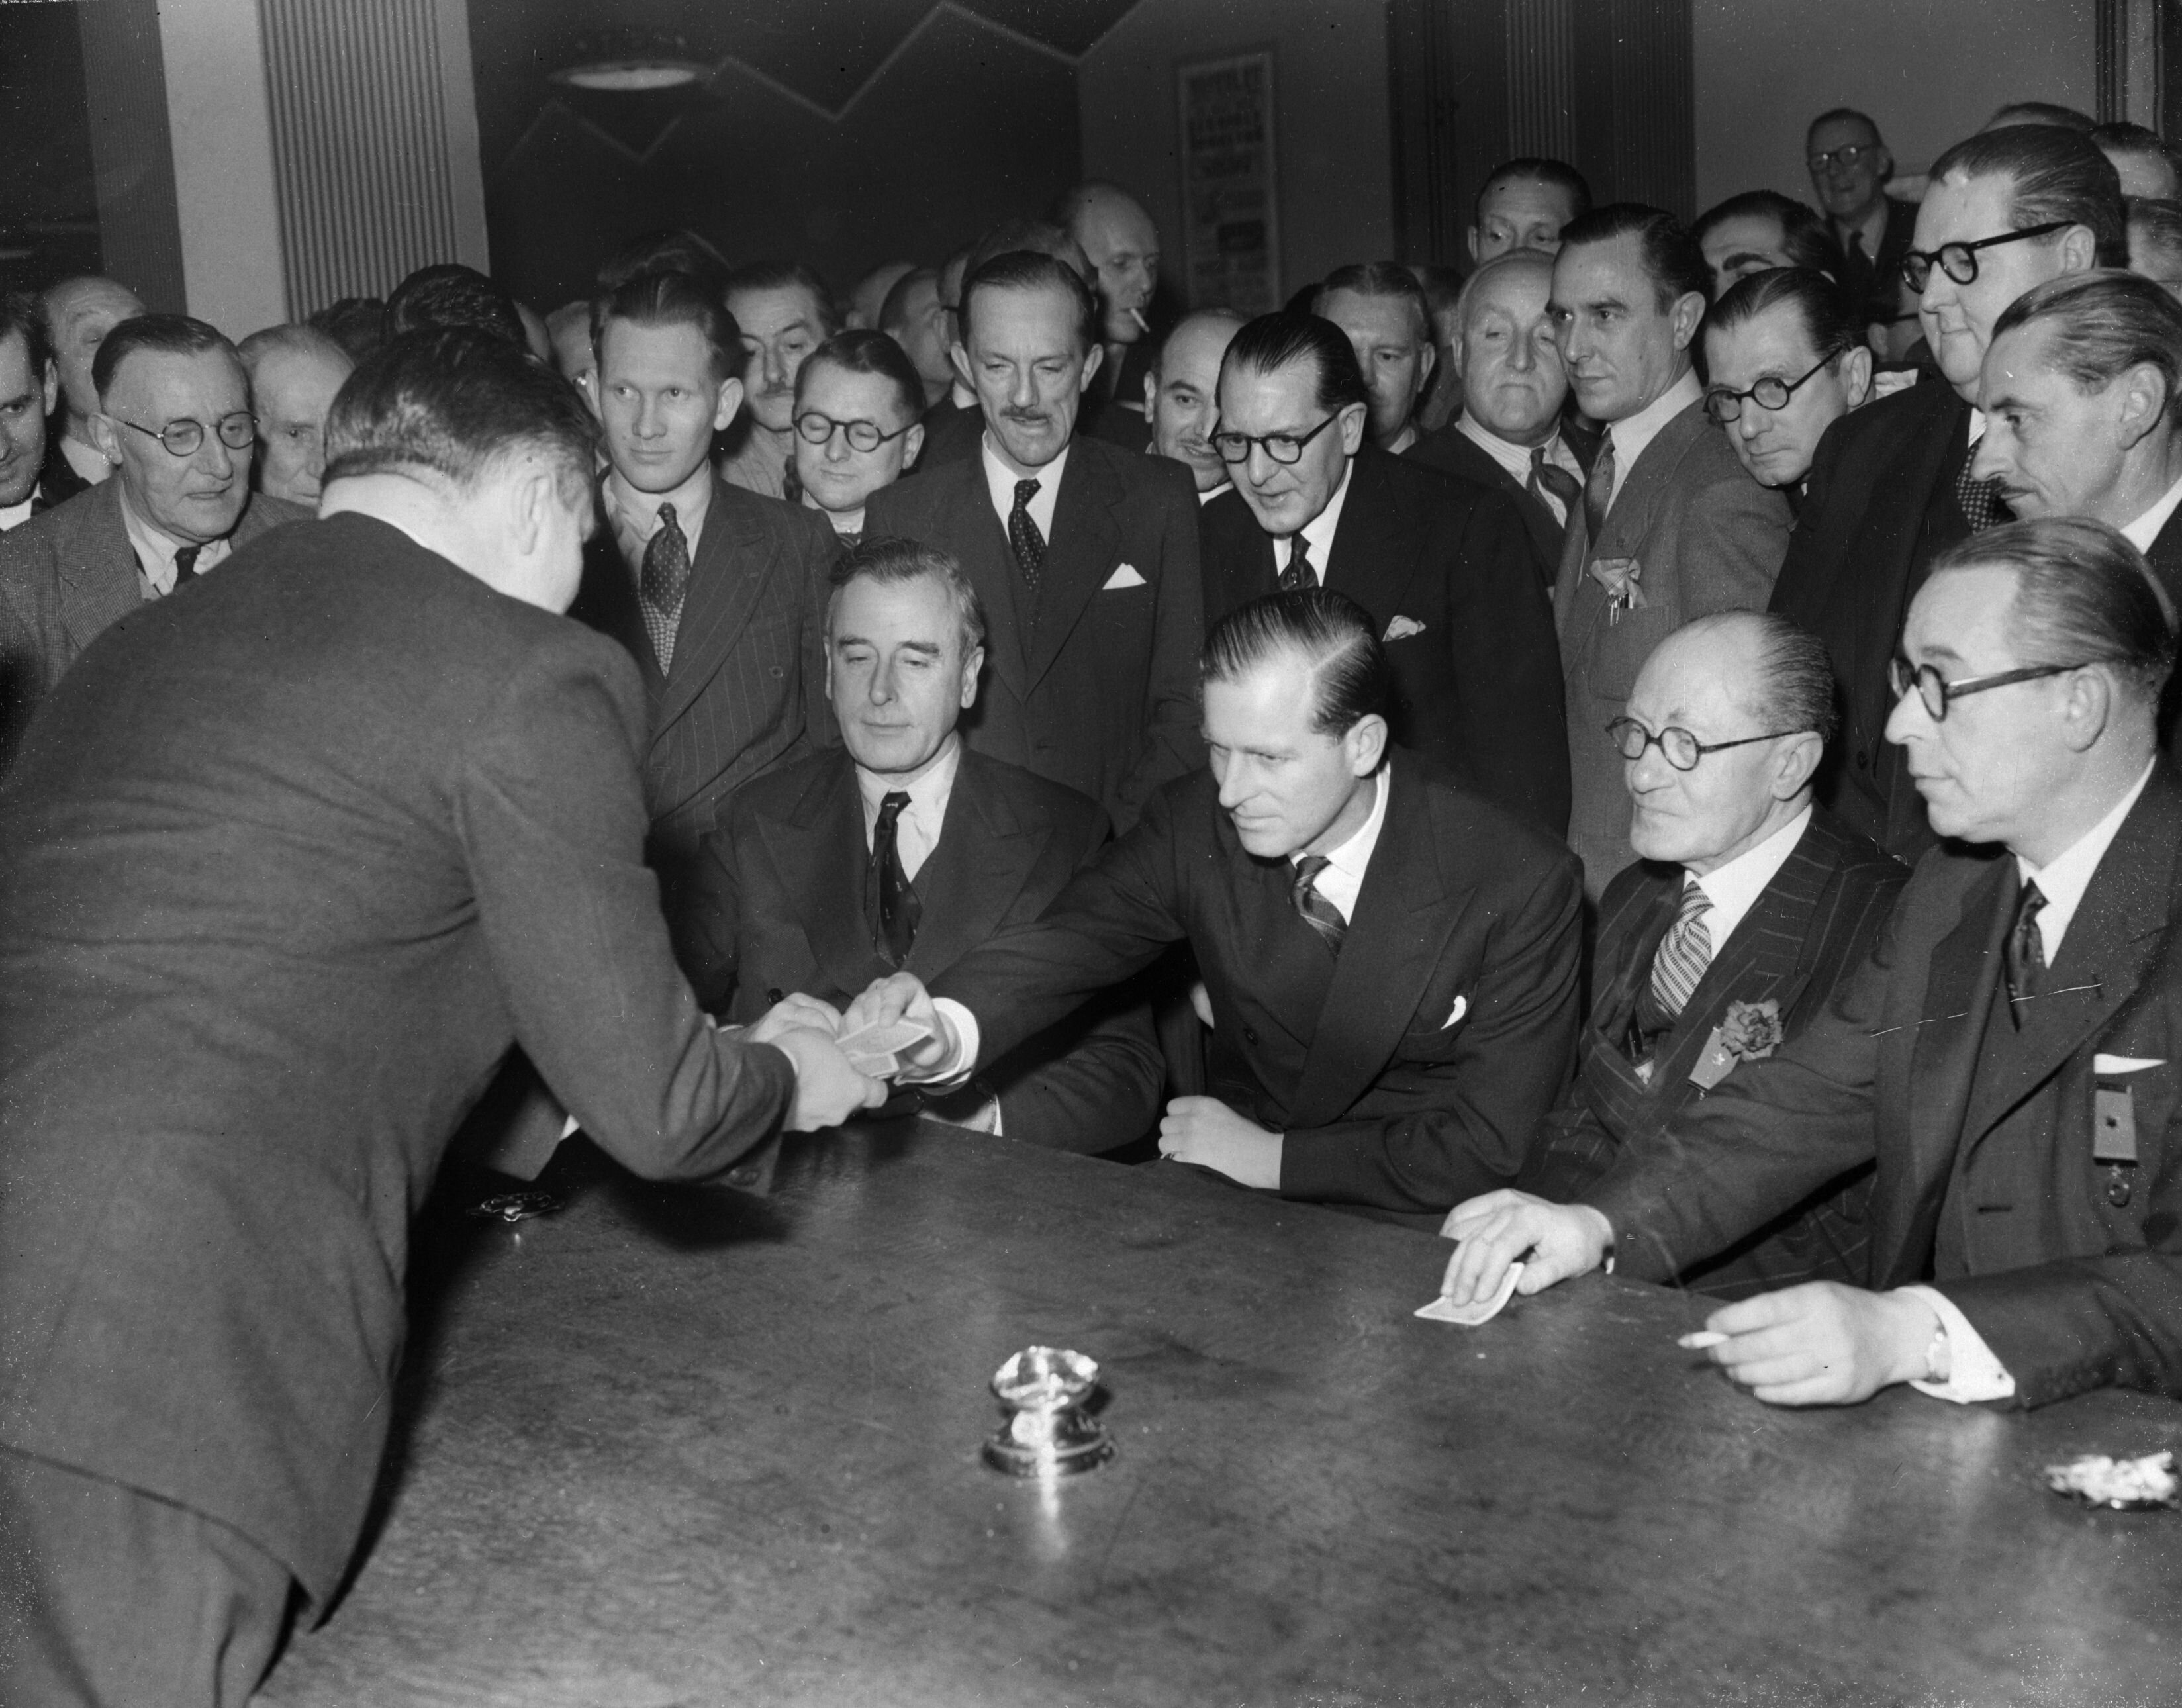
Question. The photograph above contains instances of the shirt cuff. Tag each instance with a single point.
(1973, 1374)
(956, 1067)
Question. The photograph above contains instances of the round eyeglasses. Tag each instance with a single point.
(1847, 155)
(816, 429)
(181, 438)
(1682, 749)
(1725, 404)
(1959, 262)
(1937, 692)
(1281, 447)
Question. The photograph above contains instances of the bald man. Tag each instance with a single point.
(1182, 397)
(79, 314)
(1122, 245)
(294, 373)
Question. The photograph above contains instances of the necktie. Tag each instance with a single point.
(1300, 571)
(1598, 489)
(1684, 954)
(2026, 954)
(1023, 536)
(665, 578)
(1550, 479)
(1319, 913)
(1979, 499)
(185, 564)
(897, 904)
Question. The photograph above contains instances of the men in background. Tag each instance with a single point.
(1122, 245)
(914, 318)
(1440, 564)
(2154, 240)
(29, 387)
(906, 850)
(451, 294)
(717, 593)
(858, 406)
(675, 249)
(1523, 204)
(869, 294)
(1390, 962)
(1086, 556)
(1761, 230)
(569, 327)
(1442, 398)
(2142, 161)
(784, 312)
(174, 421)
(1508, 371)
(398, 828)
(1891, 486)
(1745, 903)
(1787, 360)
(1668, 527)
(294, 373)
(79, 313)
(1381, 309)
(2003, 1055)
(357, 323)
(1849, 166)
(1182, 397)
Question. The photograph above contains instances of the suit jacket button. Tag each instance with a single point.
(1250, 1036)
(2117, 1193)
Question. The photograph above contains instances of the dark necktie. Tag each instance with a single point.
(1979, 499)
(1023, 536)
(896, 903)
(2026, 954)
(1319, 913)
(665, 578)
(1598, 489)
(1547, 477)
(1859, 259)
(185, 564)
(1300, 572)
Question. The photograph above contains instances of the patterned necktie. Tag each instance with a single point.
(1981, 500)
(899, 909)
(1598, 489)
(1300, 571)
(665, 578)
(185, 564)
(1023, 536)
(1684, 954)
(1319, 913)
(2026, 954)
(1550, 479)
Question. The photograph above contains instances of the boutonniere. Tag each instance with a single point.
(1622, 578)
(1747, 1032)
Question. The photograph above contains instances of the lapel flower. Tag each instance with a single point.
(1750, 1030)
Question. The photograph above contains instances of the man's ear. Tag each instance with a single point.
(2143, 402)
(1355, 419)
(726, 405)
(1686, 316)
(105, 437)
(1364, 744)
(1151, 394)
(1797, 760)
(960, 357)
(530, 497)
(912, 442)
(971, 666)
(2079, 249)
(1427, 363)
(51, 387)
(1856, 374)
(2088, 709)
(1091, 363)
(1473, 246)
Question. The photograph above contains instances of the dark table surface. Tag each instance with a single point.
(684, 1448)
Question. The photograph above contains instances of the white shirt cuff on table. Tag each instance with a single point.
(1973, 1374)
(957, 1065)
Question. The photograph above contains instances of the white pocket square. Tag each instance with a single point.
(1126, 576)
(1461, 1007)
(1401, 628)
(2103, 1065)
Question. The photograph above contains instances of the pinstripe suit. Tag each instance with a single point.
(1815, 920)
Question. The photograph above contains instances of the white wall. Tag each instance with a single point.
(1929, 71)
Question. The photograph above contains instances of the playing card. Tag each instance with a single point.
(876, 1051)
(1483, 1311)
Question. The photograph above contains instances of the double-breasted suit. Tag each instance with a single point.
(1452, 451)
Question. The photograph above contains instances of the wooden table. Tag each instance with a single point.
(682, 1448)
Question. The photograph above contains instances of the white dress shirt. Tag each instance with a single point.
(1319, 531)
(1734, 887)
(635, 515)
(1630, 438)
(2146, 528)
(1516, 458)
(1205, 498)
(1001, 482)
(1341, 881)
(917, 830)
(155, 552)
(15, 515)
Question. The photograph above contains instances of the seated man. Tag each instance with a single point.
(858, 410)
(2007, 1053)
(1390, 961)
(1742, 910)
(1787, 360)
(294, 373)
(908, 850)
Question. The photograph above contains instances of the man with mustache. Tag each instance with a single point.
(785, 313)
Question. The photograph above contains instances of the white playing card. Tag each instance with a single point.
(1482, 1310)
(876, 1050)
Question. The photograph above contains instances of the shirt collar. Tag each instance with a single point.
(15, 515)
(155, 548)
(1205, 498)
(1514, 457)
(1630, 437)
(927, 792)
(1344, 879)
(636, 515)
(1733, 889)
(1000, 480)
(2146, 528)
(2064, 878)
(1319, 530)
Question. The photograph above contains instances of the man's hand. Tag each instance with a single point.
(1552, 1241)
(1823, 1344)
(796, 1010)
(827, 1090)
(1205, 1131)
(902, 996)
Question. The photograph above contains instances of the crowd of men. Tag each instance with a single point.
(1656, 750)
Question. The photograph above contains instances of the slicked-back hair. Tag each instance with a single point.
(864, 351)
(2052, 113)
(2122, 137)
(894, 562)
(295, 338)
(1670, 256)
(1834, 114)
(673, 299)
(1378, 278)
(787, 275)
(1026, 269)
(2098, 325)
(1039, 236)
(357, 323)
(2083, 595)
(1792, 672)
(1274, 341)
(2054, 176)
(455, 403)
(1350, 676)
(1829, 319)
(1558, 173)
(893, 312)
(1804, 234)
(676, 250)
(453, 295)
(167, 335)
(20, 316)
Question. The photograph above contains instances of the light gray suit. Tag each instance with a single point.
(1706, 538)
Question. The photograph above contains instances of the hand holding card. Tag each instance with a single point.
(877, 1049)
(1444, 1310)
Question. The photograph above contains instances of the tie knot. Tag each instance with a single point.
(890, 806)
(667, 515)
(1308, 866)
(1025, 491)
(1695, 902)
(2028, 904)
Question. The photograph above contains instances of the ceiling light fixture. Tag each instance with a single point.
(633, 61)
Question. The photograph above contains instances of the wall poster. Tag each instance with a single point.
(1231, 203)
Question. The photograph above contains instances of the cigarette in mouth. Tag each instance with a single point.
(1138, 315)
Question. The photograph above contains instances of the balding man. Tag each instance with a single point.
(294, 373)
(1523, 204)
(869, 294)
(1122, 245)
(1182, 397)
(1849, 165)
(1745, 905)
(79, 313)
(2007, 1054)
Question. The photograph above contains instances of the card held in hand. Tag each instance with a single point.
(876, 1051)
(1478, 1311)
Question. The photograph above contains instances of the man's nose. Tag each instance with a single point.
(1988, 459)
(1908, 720)
(1023, 394)
(1259, 465)
(776, 369)
(882, 684)
(1520, 356)
(214, 457)
(836, 448)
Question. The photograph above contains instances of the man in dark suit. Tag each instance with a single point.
(907, 849)
(399, 827)
(2008, 1053)
(1849, 166)
(718, 594)
(28, 388)
(1086, 555)
(1889, 487)
(1382, 312)
(1390, 961)
(174, 422)
(1441, 565)
(1669, 525)
(1730, 930)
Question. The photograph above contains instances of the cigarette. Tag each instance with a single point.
(1703, 1339)
(1138, 315)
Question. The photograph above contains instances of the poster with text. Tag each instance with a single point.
(1231, 206)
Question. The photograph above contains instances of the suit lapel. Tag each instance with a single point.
(1370, 561)
(99, 575)
(733, 566)
(972, 877)
(1958, 988)
(991, 562)
(1078, 558)
(817, 848)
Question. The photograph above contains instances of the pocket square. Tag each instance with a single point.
(1126, 576)
(1401, 628)
(2103, 1065)
(1461, 1007)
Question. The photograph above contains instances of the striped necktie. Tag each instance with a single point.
(1684, 954)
